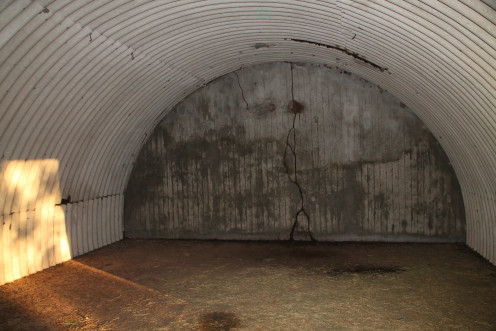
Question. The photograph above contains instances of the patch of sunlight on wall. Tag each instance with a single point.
(32, 223)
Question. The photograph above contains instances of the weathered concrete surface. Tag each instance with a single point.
(281, 151)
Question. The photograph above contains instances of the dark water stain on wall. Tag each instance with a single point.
(366, 167)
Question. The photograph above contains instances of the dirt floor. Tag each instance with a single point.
(192, 285)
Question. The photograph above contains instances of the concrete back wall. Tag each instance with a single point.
(280, 151)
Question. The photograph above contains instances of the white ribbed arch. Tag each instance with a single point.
(84, 82)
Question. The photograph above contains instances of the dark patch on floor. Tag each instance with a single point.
(218, 321)
(364, 269)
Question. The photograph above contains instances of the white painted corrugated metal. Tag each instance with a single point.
(84, 82)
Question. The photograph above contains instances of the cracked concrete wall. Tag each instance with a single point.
(293, 151)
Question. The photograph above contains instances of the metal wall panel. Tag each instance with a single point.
(37, 239)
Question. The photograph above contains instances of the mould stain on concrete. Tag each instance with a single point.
(295, 107)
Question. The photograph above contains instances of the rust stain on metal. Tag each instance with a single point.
(344, 50)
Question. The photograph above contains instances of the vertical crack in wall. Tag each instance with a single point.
(242, 92)
(296, 108)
